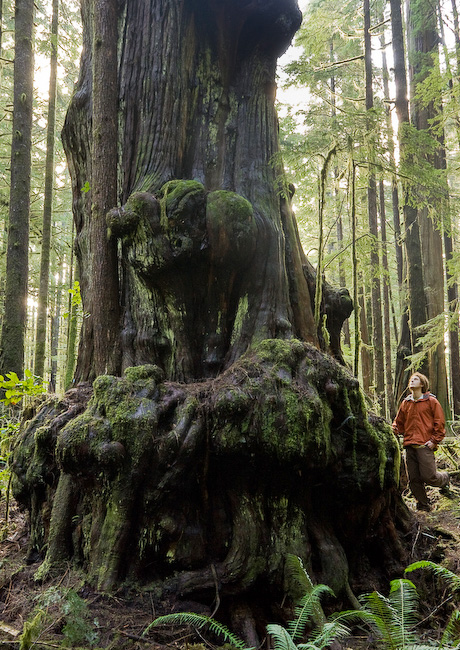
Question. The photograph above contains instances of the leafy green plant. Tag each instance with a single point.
(199, 621)
(63, 607)
(15, 389)
(308, 614)
(451, 635)
(75, 298)
(392, 618)
(12, 391)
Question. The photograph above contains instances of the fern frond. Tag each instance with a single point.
(331, 631)
(452, 632)
(198, 621)
(357, 616)
(425, 646)
(404, 598)
(385, 616)
(300, 585)
(308, 608)
(296, 575)
(281, 638)
(450, 578)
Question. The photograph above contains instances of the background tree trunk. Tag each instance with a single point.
(377, 328)
(17, 266)
(40, 337)
(416, 300)
(104, 311)
(423, 53)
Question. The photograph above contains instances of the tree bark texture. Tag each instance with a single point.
(390, 411)
(17, 265)
(104, 308)
(209, 244)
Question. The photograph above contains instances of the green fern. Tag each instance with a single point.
(300, 586)
(306, 610)
(199, 621)
(452, 632)
(282, 640)
(451, 579)
(296, 576)
(333, 630)
(393, 618)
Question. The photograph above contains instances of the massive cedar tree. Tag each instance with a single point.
(226, 438)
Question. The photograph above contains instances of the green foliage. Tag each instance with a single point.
(31, 631)
(199, 621)
(451, 579)
(451, 635)
(61, 606)
(75, 298)
(391, 618)
(15, 389)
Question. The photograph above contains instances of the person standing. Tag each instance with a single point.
(421, 422)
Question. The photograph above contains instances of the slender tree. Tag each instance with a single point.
(423, 54)
(377, 330)
(390, 401)
(14, 321)
(40, 337)
(415, 313)
(55, 329)
(104, 313)
(452, 285)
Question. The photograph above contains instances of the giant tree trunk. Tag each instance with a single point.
(199, 192)
(230, 440)
(208, 485)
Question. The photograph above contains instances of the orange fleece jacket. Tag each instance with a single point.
(420, 420)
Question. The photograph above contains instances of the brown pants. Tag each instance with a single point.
(421, 470)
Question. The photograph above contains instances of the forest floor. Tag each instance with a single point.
(66, 613)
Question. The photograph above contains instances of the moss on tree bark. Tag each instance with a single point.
(187, 488)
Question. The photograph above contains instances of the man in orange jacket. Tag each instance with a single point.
(420, 420)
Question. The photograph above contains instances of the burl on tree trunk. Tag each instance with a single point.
(226, 438)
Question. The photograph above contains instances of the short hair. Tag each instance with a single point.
(423, 379)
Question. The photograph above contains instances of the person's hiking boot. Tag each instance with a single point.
(445, 490)
(425, 507)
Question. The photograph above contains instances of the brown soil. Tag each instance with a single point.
(119, 620)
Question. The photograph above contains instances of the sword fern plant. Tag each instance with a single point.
(391, 618)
